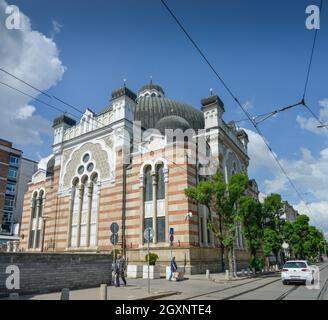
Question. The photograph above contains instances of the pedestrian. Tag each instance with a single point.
(121, 266)
(173, 268)
(114, 272)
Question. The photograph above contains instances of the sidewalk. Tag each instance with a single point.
(137, 289)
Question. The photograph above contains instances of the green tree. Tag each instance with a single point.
(305, 241)
(222, 200)
(274, 225)
(252, 219)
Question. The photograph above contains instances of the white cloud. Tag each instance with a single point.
(32, 56)
(310, 124)
(309, 173)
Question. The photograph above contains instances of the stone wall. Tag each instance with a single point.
(49, 272)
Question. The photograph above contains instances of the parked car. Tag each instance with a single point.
(297, 271)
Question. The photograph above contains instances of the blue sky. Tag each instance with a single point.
(261, 49)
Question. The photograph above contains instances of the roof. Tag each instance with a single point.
(172, 122)
(150, 110)
(152, 87)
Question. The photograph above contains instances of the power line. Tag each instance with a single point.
(38, 100)
(250, 118)
(47, 95)
(311, 56)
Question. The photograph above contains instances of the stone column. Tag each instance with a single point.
(154, 208)
(38, 207)
(78, 236)
(90, 192)
(31, 223)
(167, 224)
(142, 209)
(71, 208)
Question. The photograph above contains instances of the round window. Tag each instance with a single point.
(90, 167)
(80, 169)
(86, 158)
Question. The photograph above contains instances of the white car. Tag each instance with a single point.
(297, 271)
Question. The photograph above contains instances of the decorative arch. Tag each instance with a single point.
(102, 156)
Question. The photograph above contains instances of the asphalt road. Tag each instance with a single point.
(267, 287)
(271, 288)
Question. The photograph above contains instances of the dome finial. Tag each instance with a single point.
(151, 79)
(211, 91)
(124, 82)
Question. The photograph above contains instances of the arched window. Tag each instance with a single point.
(94, 209)
(160, 182)
(33, 219)
(84, 213)
(75, 212)
(36, 219)
(148, 197)
(160, 219)
(148, 185)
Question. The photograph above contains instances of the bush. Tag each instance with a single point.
(257, 263)
(153, 257)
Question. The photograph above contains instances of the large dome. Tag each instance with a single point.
(150, 110)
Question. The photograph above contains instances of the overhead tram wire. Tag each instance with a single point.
(268, 115)
(39, 100)
(309, 72)
(250, 118)
(47, 95)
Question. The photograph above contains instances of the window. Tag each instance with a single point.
(9, 204)
(12, 173)
(148, 223)
(80, 170)
(36, 224)
(208, 232)
(13, 160)
(201, 230)
(148, 185)
(160, 183)
(11, 188)
(86, 158)
(161, 229)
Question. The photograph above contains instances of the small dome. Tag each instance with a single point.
(172, 122)
(149, 87)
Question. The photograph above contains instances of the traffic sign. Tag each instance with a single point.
(171, 231)
(171, 238)
(114, 238)
(114, 227)
(149, 234)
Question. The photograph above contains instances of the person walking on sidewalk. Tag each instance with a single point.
(174, 268)
(121, 266)
(115, 273)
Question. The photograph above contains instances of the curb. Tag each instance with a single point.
(159, 295)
